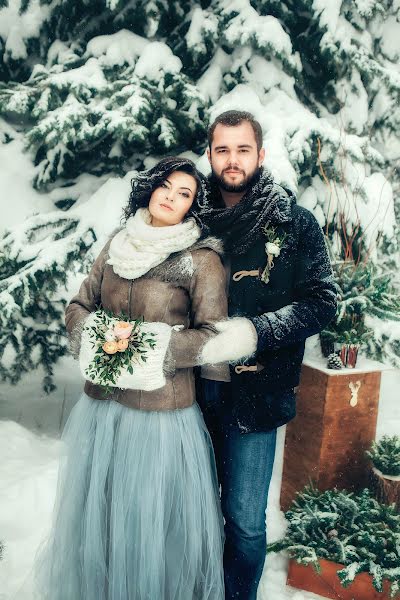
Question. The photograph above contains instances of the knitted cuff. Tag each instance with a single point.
(86, 349)
(75, 338)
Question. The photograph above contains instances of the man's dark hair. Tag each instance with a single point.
(231, 118)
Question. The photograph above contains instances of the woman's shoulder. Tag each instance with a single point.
(207, 246)
(103, 255)
(206, 252)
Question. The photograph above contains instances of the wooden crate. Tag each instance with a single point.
(334, 426)
(327, 583)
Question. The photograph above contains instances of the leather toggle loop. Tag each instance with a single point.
(243, 368)
(240, 274)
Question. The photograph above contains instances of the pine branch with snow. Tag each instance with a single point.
(32, 332)
(39, 259)
(351, 529)
(385, 455)
(363, 290)
(99, 116)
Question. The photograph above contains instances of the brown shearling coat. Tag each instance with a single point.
(188, 289)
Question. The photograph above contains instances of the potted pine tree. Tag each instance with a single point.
(385, 469)
(362, 291)
(342, 545)
(366, 289)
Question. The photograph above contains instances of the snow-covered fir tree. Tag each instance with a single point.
(98, 88)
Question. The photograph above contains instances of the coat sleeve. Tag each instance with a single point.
(85, 301)
(208, 305)
(314, 291)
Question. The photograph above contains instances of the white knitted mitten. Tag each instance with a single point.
(87, 351)
(147, 375)
(237, 339)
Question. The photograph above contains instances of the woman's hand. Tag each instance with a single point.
(142, 374)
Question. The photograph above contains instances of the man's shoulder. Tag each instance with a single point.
(303, 218)
(297, 218)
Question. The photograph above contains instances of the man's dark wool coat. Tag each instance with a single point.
(298, 301)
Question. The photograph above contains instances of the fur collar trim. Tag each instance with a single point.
(178, 269)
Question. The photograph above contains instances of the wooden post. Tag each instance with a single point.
(334, 426)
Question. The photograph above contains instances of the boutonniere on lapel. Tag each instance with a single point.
(273, 247)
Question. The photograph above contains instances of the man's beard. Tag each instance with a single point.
(236, 187)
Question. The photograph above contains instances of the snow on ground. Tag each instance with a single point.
(30, 449)
(28, 476)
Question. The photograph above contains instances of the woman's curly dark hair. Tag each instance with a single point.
(145, 182)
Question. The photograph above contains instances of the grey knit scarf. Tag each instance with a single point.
(240, 226)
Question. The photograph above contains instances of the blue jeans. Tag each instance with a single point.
(244, 463)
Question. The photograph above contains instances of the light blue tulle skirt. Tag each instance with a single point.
(137, 513)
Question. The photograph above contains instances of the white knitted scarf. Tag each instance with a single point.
(139, 246)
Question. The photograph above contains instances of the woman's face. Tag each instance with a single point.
(170, 202)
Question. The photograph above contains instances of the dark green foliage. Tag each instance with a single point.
(87, 108)
(385, 455)
(79, 128)
(362, 291)
(61, 147)
(32, 332)
(351, 529)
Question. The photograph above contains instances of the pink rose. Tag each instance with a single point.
(122, 330)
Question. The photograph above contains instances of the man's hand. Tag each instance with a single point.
(236, 340)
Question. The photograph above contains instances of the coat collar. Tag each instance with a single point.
(283, 209)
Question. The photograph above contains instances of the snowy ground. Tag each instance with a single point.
(30, 448)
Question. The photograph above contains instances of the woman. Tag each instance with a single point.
(137, 513)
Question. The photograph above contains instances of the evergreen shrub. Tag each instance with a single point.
(352, 529)
(385, 455)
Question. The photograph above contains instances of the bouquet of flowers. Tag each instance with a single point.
(118, 345)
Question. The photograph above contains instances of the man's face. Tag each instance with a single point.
(234, 157)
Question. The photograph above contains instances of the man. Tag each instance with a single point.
(280, 279)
